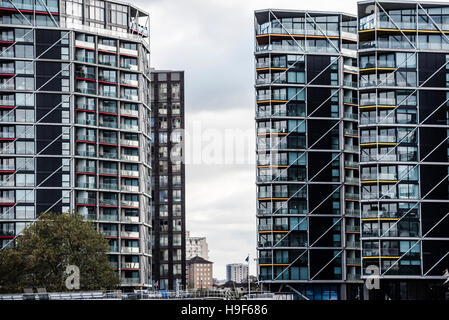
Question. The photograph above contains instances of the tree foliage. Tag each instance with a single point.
(48, 246)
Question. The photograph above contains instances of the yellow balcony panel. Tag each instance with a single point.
(272, 133)
(268, 69)
(272, 101)
(373, 144)
(377, 69)
(378, 181)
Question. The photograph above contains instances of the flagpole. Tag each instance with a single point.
(249, 283)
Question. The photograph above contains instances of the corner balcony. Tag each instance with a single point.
(129, 173)
(130, 265)
(129, 234)
(128, 82)
(126, 203)
(130, 250)
(130, 188)
(129, 157)
(129, 66)
(128, 112)
(129, 143)
(129, 219)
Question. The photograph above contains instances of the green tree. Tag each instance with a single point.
(48, 246)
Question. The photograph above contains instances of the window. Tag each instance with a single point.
(24, 180)
(25, 196)
(25, 147)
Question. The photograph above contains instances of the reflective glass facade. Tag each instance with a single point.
(307, 153)
(75, 127)
(404, 118)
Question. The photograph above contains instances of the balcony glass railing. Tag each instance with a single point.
(108, 171)
(108, 186)
(108, 140)
(108, 217)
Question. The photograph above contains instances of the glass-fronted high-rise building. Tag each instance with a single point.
(169, 234)
(307, 153)
(404, 147)
(75, 122)
(332, 210)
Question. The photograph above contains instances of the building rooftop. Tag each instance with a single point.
(198, 259)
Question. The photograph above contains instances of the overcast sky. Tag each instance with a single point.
(212, 41)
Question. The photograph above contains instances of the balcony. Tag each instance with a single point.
(351, 164)
(129, 157)
(130, 265)
(84, 59)
(108, 155)
(125, 203)
(130, 188)
(85, 44)
(129, 66)
(108, 124)
(130, 250)
(88, 201)
(110, 233)
(352, 228)
(129, 281)
(108, 171)
(87, 138)
(107, 140)
(129, 218)
(104, 47)
(86, 90)
(107, 63)
(353, 244)
(110, 80)
(129, 52)
(87, 122)
(129, 234)
(129, 173)
(131, 97)
(128, 112)
(7, 135)
(108, 217)
(7, 71)
(108, 202)
(108, 109)
(129, 82)
(353, 180)
(129, 143)
(85, 185)
(108, 94)
(7, 200)
(108, 186)
(85, 75)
